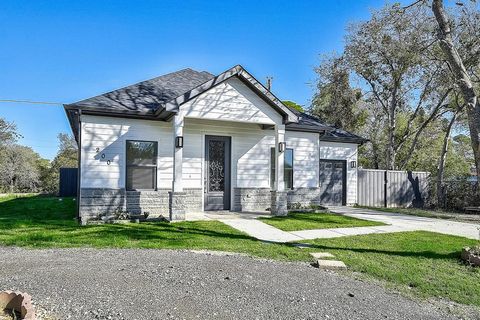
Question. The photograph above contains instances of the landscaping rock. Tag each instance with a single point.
(321, 255)
(471, 256)
(17, 302)
(331, 265)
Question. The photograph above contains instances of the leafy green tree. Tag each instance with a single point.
(293, 105)
(335, 101)
(387, 56)
(67, 157)
(8, 132)
(18, 169)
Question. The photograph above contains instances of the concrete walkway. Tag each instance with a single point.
(396, 222)
(261, 231)
(462, 229)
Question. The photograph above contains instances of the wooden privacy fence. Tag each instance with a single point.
(386, 188)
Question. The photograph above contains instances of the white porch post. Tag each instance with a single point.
(279, 195)
(279, 158)
(178, 123)
(177, 195)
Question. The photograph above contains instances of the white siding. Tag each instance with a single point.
(343, 151)
(231, 100)
(109, 135)
(305, 158)
(250, 153)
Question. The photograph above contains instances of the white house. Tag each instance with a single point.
(191, 141)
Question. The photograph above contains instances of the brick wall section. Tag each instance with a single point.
(251, 199)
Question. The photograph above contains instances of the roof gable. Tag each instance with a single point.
(248, 79)
(231, 100)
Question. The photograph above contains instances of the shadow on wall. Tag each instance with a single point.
(417, 201)
(103, 164)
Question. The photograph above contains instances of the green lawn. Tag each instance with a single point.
(46, 222)
(424, 263)
(318, 220)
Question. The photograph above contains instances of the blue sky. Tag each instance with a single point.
(64, 51)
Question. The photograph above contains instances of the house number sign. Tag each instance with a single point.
(97, 150)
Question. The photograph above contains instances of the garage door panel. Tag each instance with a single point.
(332, 177)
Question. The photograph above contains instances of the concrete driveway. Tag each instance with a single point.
(408, 222)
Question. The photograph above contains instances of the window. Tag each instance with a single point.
(287, 170)
(141, 165)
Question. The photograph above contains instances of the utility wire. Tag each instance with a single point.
(30, 101)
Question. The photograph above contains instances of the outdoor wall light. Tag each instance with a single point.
(281, 147)
(353, 164)
(179, 142)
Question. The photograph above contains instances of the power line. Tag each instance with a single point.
(30, 101)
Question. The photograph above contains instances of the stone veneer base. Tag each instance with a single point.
(96, 201)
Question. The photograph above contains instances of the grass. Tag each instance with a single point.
(424, 263)
(47, 222)
(318, 220)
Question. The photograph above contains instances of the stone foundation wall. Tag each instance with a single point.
(97, 201)
(153, 202)
(303, 197)
(251, 199)
(259, 199)
(193, 199)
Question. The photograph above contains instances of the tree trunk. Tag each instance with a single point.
(442, 161)
(391, 152)
(461, 77)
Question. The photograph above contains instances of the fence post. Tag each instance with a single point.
(385, 182)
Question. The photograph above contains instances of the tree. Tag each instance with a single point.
(293, 105)
(18, 169)
(462, 77)
(385, 53)
(335, 101)
(8, 132)
(67, 157)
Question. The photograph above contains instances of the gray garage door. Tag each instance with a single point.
(333, 182)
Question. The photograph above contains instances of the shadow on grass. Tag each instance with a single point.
(30, 220)
(55, 218)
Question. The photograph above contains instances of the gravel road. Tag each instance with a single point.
(162, 284)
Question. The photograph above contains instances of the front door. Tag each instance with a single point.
(217, 173)
(333, 182)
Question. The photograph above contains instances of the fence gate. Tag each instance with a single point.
(68, 182)
(386, 188)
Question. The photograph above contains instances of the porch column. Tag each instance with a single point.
(177, 195)
(279, 195)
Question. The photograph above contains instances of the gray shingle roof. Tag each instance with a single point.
(146, 96)
(308, 122)
(154, 98)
